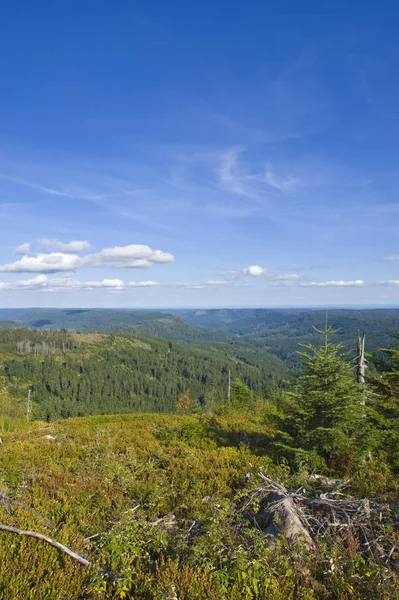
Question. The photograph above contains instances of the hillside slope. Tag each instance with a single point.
(82, 374)
(281, 331)
(147, 322)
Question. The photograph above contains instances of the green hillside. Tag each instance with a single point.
(275, 331)
(280, 331)
(81, 374)
(154, 323)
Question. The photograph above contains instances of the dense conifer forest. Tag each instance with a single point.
(81, 374)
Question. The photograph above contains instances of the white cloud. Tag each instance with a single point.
(142, 283)
(105, 283)
(44, 263)
(23, 248)
(287, 277)
(132, 256)
(73, 246)
(206, 284)
(339, 283)
(229, 176)
(254, 271)
(284, 184)
(391, 258)
(35, 282)
(391, 282)
(65, 284)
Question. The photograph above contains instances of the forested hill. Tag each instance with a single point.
(83, 374)
(280, 331)
(274, 331)
(147, 322)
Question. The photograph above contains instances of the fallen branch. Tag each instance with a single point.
(8, 500)
(61, 547)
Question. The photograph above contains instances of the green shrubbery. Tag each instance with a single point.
(164, 498)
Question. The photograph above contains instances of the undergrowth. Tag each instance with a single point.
(159, 498)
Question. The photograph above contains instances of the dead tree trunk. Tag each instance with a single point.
(361, 362)
(283, 519)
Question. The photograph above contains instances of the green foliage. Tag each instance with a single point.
(327, 414)
(276, 332)
(161, 496)
(385, 401)
(241, 396)
(167, 501)
(279, 331)
(83, 374)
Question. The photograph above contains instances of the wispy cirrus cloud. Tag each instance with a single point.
(389, 282)
(285, 280)
(206, 284)
(333, 283)
(66, 284)
(237, 177)
(284, 184)
(391, 258)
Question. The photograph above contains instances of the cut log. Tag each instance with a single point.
(281, 517)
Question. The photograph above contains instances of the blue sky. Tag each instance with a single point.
(173, 154)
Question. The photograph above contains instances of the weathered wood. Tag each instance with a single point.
(7, 500)
(61, 547)
(282, 518)
(361, 361)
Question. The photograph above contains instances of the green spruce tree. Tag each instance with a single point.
(325, 413)
(385, 402)
(241, 396)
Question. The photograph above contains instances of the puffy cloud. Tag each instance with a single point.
(44, 263)
(132, 256)
(35, 283)
(254, 271)
(72, 247)
(354, 283)
(23, 248)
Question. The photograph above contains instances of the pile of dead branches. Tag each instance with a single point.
(297, 516)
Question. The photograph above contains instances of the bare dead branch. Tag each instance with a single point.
(55, 544)
(8, 500)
